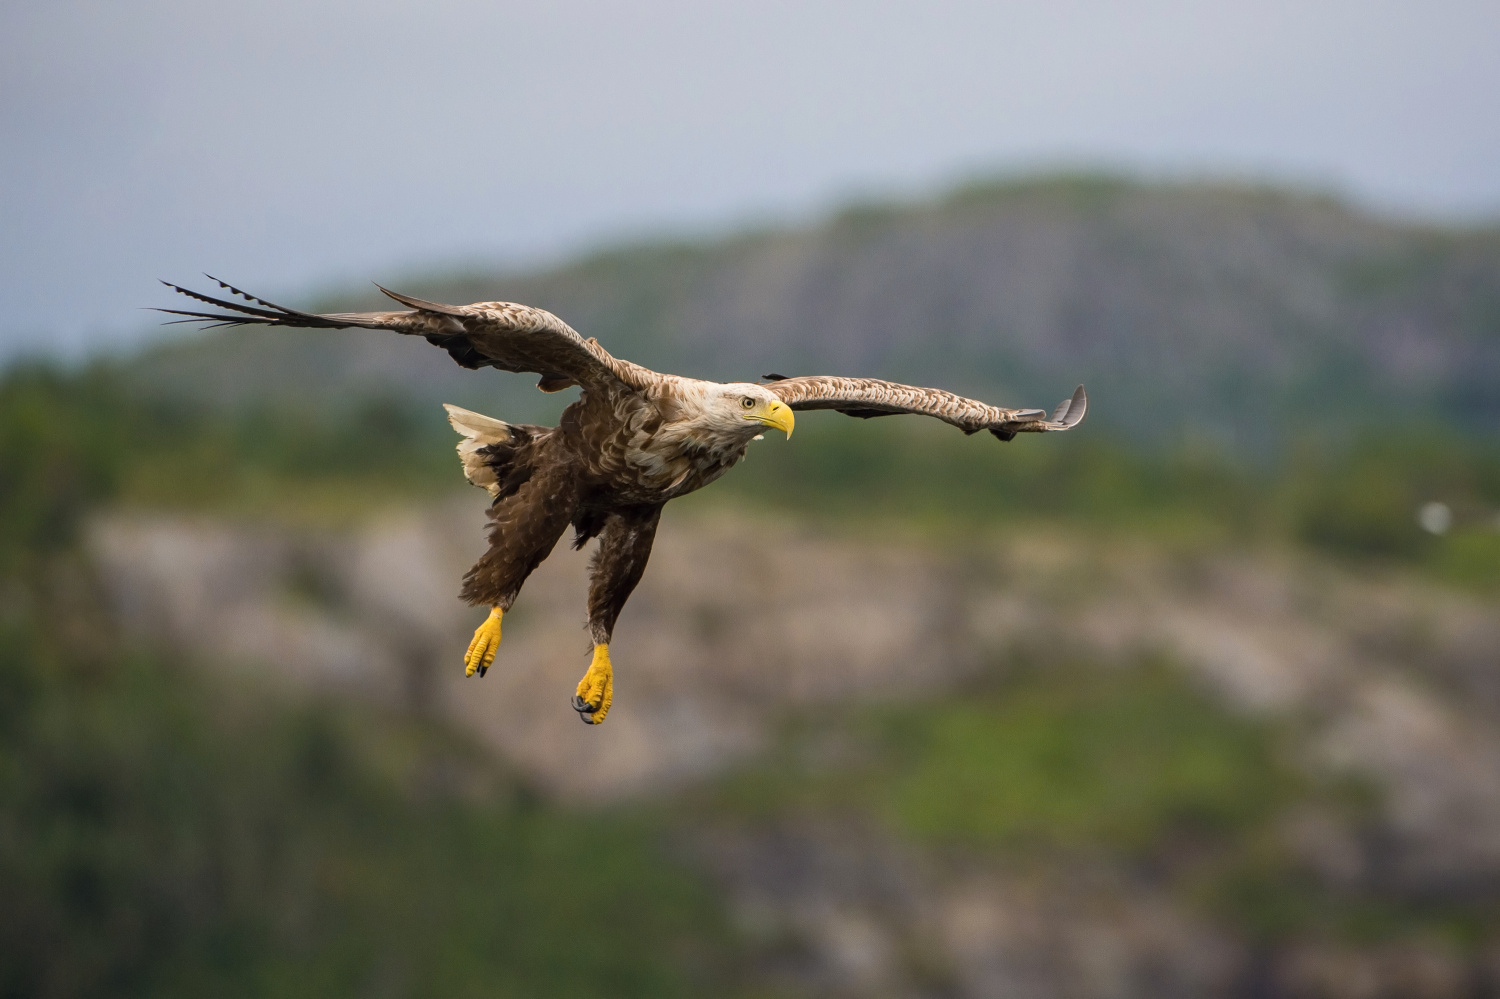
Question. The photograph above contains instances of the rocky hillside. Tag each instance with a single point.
(1042, 763)
(1200, 309)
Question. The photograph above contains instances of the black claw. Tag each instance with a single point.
(483, 669)
(585, 710)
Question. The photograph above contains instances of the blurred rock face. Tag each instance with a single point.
(739, 622)
(735, 622)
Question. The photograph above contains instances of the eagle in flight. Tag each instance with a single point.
(633, 440)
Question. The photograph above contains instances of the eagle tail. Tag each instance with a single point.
(479, 432)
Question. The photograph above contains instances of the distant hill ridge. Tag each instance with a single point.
(1228, 311)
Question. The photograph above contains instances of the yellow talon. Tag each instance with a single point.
(484, 644)
(597, 688)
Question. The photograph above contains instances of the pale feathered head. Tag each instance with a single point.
(744, 409)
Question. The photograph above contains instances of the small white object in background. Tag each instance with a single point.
(1435, 517)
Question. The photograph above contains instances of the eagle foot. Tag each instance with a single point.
(484, 644)
(596, 690)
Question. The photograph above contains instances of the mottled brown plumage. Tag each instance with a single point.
(867, 397)
(634, 440)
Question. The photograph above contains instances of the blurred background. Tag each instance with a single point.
(1200, 699)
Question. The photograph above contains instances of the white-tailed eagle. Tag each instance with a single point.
(635, 439)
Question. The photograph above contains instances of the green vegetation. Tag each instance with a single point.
(1362, 503)
(1356, 501)
(919, 469)
(1063, 758)
(70, 439)
(83, 437)
(1122, 759)
(151, 845)
(1053, 767)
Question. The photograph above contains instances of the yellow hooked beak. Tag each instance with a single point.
(775, 414)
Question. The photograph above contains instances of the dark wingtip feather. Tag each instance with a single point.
(210, 317)
(232, 306)
(251, 298)
(271, 315)
(417, 303)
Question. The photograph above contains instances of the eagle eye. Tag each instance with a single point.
(747, 402)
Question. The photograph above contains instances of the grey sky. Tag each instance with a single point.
(290, 145)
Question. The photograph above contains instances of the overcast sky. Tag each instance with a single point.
(293, 145)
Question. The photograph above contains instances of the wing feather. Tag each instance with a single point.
(417, 303)
(868, 397)
(501, 335)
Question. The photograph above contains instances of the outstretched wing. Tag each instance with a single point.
(486, 334)
(867, 397)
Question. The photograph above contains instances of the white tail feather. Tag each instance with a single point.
(477, 426)
(479, 432)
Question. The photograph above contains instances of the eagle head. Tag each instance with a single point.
(745, 409)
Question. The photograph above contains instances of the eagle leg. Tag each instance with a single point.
(596, 691)
(484, 644)
(619, 561)
(536, 491)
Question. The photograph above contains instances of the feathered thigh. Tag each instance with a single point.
(539, 493)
